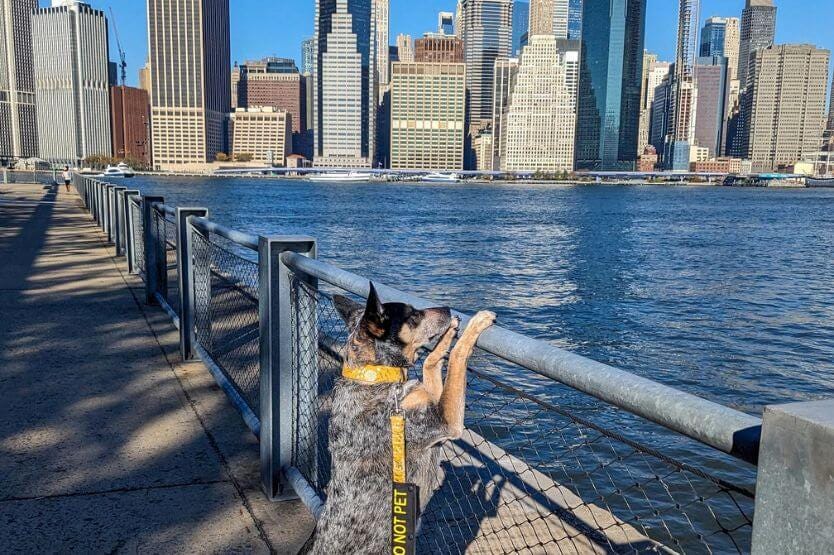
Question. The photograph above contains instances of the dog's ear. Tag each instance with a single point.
(347, 308)
(375, 321)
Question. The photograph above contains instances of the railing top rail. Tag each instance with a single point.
(243, 239)
(723, 428)
(165, 209)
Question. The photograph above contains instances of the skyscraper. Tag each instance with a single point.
(18, 130)
(758, 30)
(711, 82)
(541, 119)
(344, 95)
(405, 48)
(521, 24)
(130, 120)
(506, 71)
(653, 74)
(713, 37)
(439, 48)
(575, 20)
(432, 93)
(446, 23)
(71, 81)
(383, 65)
(731, 45)
(487, 35)
(610, 82)
(308, 55)
(684, 90)
(783, 106)
(190, 80)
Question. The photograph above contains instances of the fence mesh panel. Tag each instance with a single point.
(226, 313)
(166, 230)
(138, 237)
(528, 476)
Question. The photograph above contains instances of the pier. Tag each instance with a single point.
(165, 383)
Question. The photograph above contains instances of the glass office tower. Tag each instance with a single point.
(712, 37)
(611, 74)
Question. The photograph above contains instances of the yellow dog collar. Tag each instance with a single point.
(375, 374)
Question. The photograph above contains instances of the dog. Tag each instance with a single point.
(356, 516)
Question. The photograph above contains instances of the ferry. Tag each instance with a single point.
(112, 171)
(342, 177)
(125, 169)
(441, 178)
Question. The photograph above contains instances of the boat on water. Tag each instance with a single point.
(342, 177)
(441, 178)
(125, 169)
(112, 171)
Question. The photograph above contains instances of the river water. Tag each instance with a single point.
(723, 292)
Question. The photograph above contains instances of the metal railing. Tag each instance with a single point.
(547, 462)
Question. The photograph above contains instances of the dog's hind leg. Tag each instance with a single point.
(453, 398)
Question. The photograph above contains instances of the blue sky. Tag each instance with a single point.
(276, 27)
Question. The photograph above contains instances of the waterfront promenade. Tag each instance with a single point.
(108, 442)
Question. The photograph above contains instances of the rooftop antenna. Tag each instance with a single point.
(122, 61)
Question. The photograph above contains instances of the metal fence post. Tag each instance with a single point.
(185, 278)
(152, 261)
(276, 392)
(794, 510)
(130, 249)
(118, 219)
(108, 212)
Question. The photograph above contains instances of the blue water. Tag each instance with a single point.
(727, 293)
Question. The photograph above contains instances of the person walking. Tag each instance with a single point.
(67, 177)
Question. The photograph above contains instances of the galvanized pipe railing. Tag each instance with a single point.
(723, 428)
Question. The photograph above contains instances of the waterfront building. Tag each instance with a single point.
(405, 48)
(130, 122)
(69, 41)
(277, 83)
(783, 106)
(487, 35)
(264, 133)
(713, 37)
(235, 81)
(482, 145)
(718, 165)
(190, 81)
(18, 124)
(308, 55)
(520, 25)
(711, 108)
(660, 112)
(541, 120)
(428, 115)
(758, 30)
(439, 49)
(383, 65)
(506, 72)
(345, 98)
(681, 133)
(828, 134)
(446, 23)
(653, 74)
(647, 161)
(610, 81)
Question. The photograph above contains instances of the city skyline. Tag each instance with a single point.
(251, 21)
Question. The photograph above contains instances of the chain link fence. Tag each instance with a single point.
(529, 475)
(226, 313)
(165, 232)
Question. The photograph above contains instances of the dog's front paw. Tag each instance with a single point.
(481, 321)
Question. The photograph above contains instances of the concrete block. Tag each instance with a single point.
(795, 485)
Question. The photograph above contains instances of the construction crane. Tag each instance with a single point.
(122, 60)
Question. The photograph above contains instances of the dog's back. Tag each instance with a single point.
(357, 515)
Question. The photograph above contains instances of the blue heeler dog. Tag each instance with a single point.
(389, 337)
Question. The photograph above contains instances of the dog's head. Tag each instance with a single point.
(389, 334)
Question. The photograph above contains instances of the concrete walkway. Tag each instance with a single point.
(107, 442)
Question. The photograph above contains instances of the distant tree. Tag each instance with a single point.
(244, 157)
(99, 161)
(221, 157)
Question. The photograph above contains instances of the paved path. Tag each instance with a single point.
(107, 442)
